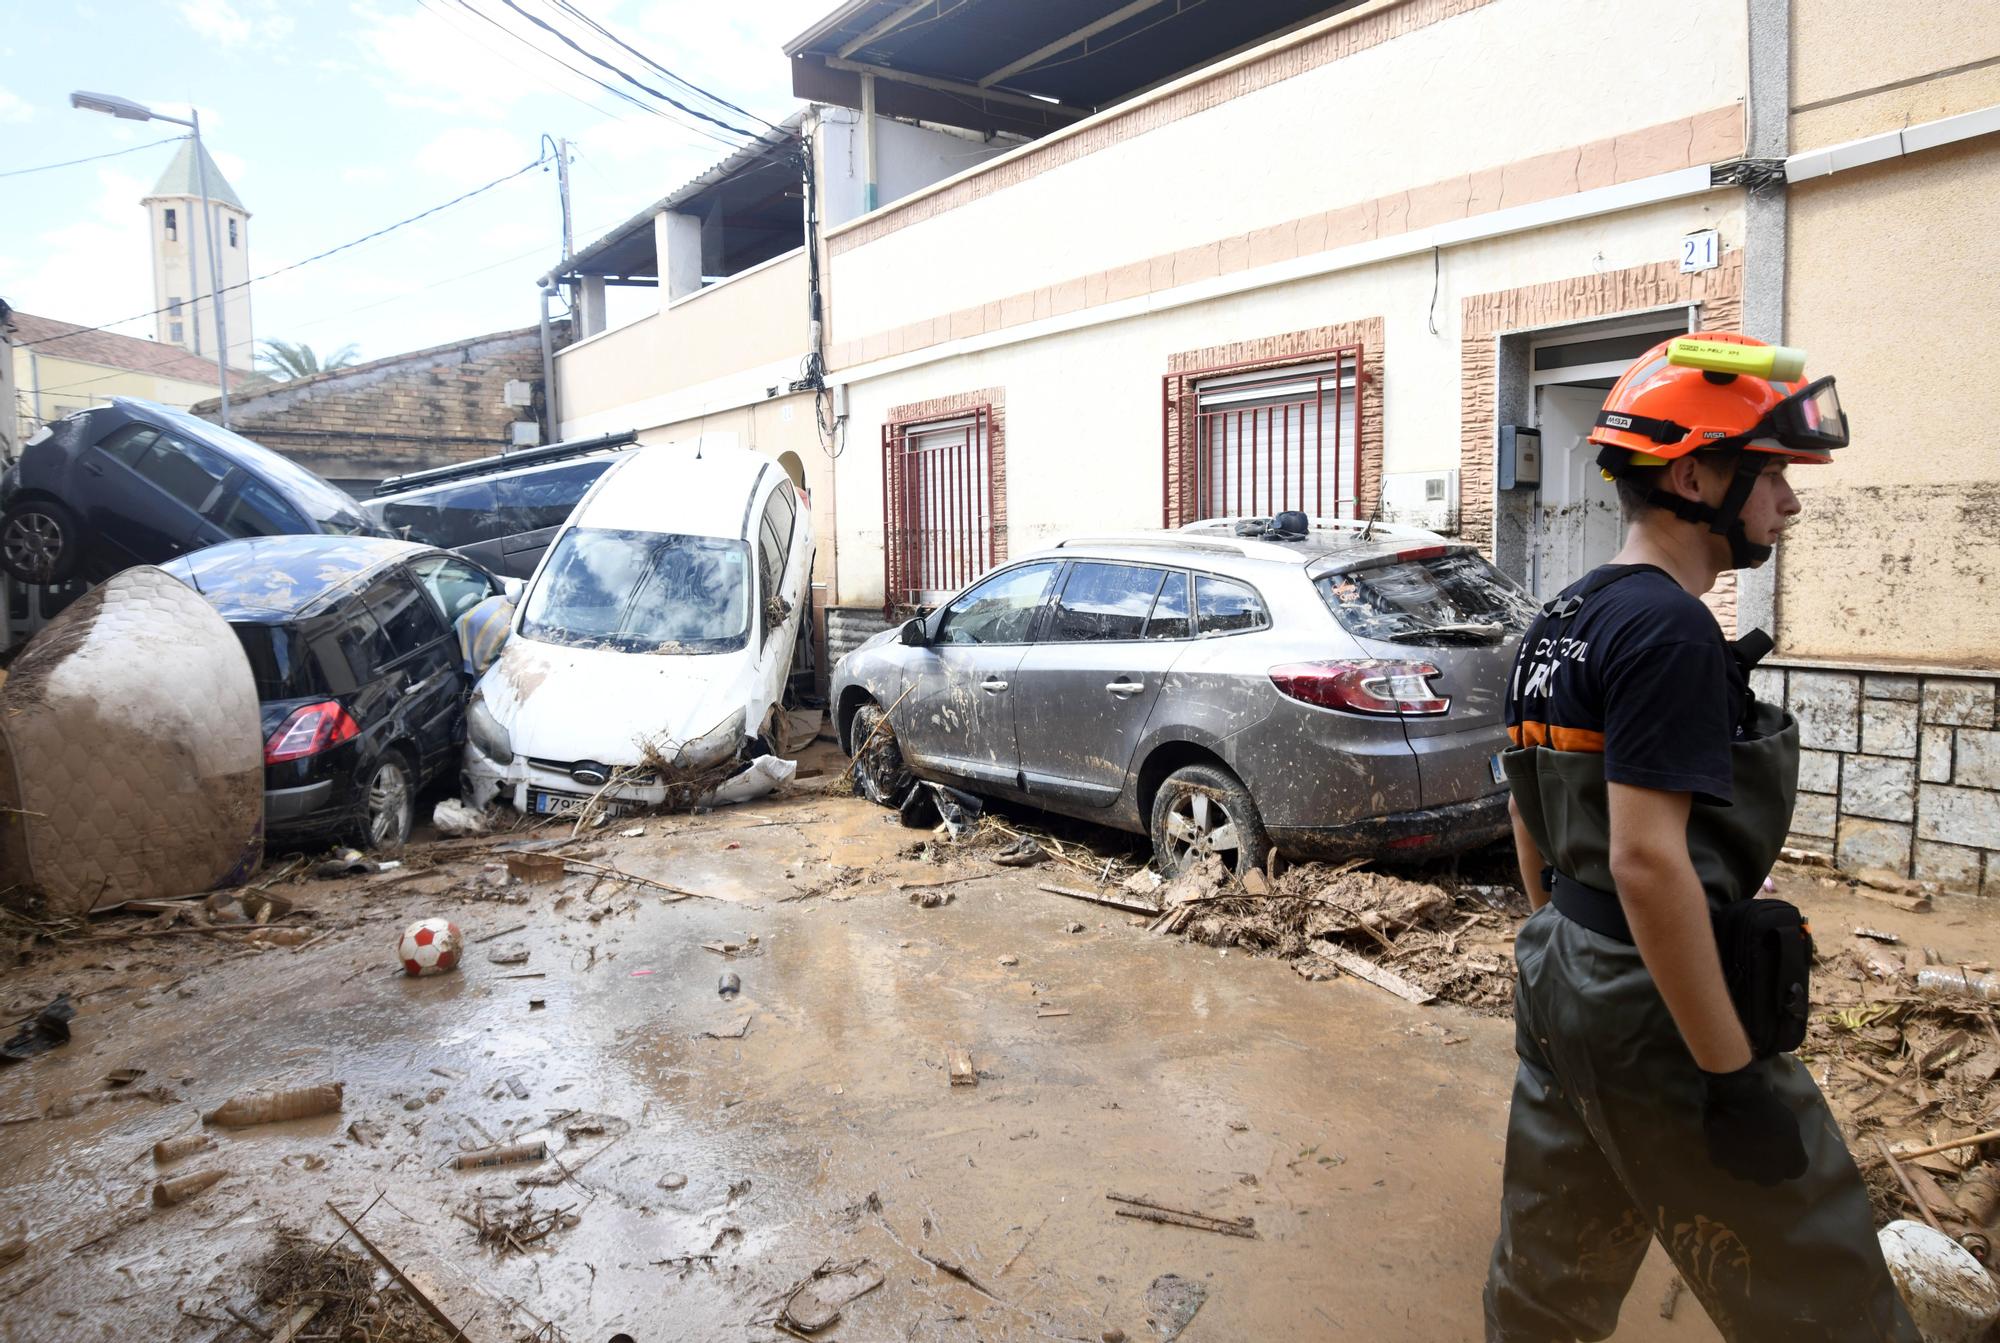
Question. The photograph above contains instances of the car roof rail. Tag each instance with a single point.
(1345, 528)
(506, 461)
(1217, 545)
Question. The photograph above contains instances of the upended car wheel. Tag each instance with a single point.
(879, 772)
(40, 541)
(1204, 810)
(391, 793)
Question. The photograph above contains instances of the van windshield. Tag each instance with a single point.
(642, 592)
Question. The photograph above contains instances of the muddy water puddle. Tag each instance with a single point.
(808, 1117)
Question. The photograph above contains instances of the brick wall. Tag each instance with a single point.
(1580, 299)
(1248, 356)
(403, 413)
(1899, 771)
(994, 401)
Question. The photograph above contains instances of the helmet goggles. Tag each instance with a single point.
(1808, 423)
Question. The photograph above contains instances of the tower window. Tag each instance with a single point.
(173, 225)
(232, 233)
(176, 333)
(173, 307)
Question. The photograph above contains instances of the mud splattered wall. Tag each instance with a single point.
(1892, 269)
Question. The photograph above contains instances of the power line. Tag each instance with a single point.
(441, 12)
(668, 98)
(71, 163)
(611, 89)
(317, 256)
(684, 83)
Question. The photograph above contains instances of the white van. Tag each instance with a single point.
(660, 626)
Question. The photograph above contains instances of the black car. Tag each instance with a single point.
(137, 483)
(358, 669)
(501, 511)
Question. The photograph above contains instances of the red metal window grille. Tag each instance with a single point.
(1254, 440)
(937, 506)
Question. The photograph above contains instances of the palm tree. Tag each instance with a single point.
(282, 361)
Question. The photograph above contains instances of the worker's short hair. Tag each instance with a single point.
(1634, 486)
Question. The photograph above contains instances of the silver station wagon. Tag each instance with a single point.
(1321, 687)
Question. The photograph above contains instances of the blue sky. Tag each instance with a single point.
(332, 118)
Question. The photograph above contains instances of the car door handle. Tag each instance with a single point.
(93, 468)
(993, 686)
(1124, 689)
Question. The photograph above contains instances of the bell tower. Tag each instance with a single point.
(184, 265)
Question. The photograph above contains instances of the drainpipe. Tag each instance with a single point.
(550, 411)
(1767, 128)
(868, 189)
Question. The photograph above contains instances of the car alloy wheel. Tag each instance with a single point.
(1198, 826)
(390, 805)
(33, 544)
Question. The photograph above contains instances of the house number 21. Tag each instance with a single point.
(1701, 251)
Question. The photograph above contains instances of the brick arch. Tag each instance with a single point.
(1487, 317)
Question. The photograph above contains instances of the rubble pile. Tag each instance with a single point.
(1443, 937)
(1908, 1052)
(336, 1290)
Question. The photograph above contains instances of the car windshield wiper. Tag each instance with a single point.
(1474, 629)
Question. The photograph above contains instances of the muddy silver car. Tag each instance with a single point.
(1326, 689)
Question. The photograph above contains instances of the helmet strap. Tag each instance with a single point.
(1724, 519)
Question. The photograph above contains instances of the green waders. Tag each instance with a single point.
(1605, 1148)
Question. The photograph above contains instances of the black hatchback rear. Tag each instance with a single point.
(358, 672)
(137, 483)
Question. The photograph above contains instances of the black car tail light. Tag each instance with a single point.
(310, 730)
(1371, 686)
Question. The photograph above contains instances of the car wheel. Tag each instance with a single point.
(1204, 810)
(879, 772)
(391, 796)
(40, 541)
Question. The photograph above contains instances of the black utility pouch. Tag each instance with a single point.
(1767, 952)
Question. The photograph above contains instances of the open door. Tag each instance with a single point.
(1575, 526)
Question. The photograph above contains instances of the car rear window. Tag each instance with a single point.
(1446, 597)
(281, 663)
(1225, 607)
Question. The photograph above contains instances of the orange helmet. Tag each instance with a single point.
(1663, 407)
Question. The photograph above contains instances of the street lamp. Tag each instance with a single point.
(128, 110)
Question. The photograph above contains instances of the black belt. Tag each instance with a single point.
(1589, 907)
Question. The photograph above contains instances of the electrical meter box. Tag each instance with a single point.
(1520, 457)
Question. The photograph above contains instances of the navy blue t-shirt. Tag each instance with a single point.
(1642, 674)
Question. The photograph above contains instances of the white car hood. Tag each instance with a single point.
(562, 703)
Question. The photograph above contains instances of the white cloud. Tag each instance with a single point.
(97, 268)
(14, 108)
(465, 67)
(469, 155)
(221, 22)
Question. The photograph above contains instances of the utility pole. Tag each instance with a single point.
(214, 263)
(562, 186)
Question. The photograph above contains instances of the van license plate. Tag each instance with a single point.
(1499, 770)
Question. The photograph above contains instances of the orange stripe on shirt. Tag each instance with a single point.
(1560, 738)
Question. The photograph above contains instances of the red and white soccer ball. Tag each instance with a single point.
(430, 947)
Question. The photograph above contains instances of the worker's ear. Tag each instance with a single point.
(1682, 476)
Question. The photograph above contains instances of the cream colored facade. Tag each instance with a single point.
(48, 387)
(182, 275)
(1891, 272)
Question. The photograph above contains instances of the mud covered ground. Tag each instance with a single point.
(709, 1151)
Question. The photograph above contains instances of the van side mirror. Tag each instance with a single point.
(914, 635)
(511, 588)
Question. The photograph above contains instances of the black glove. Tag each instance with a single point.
(1751, 1134)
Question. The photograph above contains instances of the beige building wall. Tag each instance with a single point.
(68, 385)
(1890, 273)
(1898, 557)
(1401, 110)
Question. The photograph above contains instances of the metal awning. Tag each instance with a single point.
(1027, 66)
(758, 192)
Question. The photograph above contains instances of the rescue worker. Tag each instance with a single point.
(1650, 795)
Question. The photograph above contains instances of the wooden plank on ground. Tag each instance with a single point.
(1362, 968)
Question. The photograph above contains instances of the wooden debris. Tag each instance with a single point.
(1909, 904)
(816, 1302)
(1099, 898)
(1876, 935)
(1145, 1210)
(1672, 1300)
(1970, 1140)
(428, 1306)
(959, 1062)
(1052, 1012)
(538, 868)
(293, 1327)
(722, 948)
(958, 1271)
(169, 1192)
(1380, 978)
(519, 927)
(742, 1029)
(1903, 1178)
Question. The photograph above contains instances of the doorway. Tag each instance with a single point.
(1569, 523)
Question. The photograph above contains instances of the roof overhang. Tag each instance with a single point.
(1026, 66)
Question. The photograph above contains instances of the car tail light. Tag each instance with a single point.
(309, 731)
(1372, 686)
